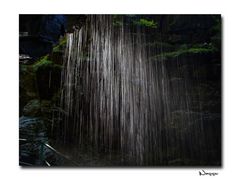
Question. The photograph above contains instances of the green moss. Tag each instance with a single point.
(61, 45)
(43, 62)
(146, 23)
(118, 21)
(46, 61)
(185, 50)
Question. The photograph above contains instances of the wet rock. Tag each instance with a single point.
(48, 77)
(32, 133)
(27, 86)
(33, 108)
(37, 108)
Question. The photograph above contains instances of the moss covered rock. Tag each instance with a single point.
(37, 108)
(27, 86)
(48, 77)
(187, 51)
(32, 108)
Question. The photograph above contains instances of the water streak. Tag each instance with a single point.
(117, 99)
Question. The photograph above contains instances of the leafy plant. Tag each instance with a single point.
(43, 62)
(61, 45)
(146, 23)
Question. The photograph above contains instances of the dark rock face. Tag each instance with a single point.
(75, 21)
(34, 47)
(27, 86)
(47, 28)
(43, 32)
(48, 81)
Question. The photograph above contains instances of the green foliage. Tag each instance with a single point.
(117, 21)
(146, 23)
(185, 50)
(43, 62)
(61, 45)
(193, 50)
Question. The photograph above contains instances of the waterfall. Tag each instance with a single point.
(118, 99)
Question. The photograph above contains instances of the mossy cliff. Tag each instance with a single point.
(40, 83)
